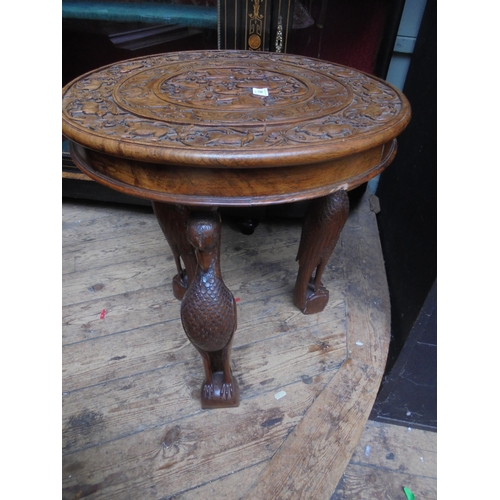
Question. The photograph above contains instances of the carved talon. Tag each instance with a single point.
(226, 391)
(315, 300)
(208, 391)
(224, 395)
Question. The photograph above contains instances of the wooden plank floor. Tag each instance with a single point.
(387, 459)
(132, 423)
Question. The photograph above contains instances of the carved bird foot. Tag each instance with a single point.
(207, 391)
(226, 391)
(314, 301)
(220, 394)
(180, 285)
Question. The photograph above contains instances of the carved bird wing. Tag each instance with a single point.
(321, 229)
(173, 220)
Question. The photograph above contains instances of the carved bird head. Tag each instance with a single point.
(203, 235)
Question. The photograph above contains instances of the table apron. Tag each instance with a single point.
(232, 187)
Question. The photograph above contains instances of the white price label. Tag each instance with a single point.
(262, 92)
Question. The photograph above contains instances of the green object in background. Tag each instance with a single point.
(409, 494)
(139, 11)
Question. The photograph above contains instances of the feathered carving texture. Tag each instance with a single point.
(320, 230)
(208, 312)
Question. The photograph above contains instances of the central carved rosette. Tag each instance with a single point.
(216, 87)
(186, 94)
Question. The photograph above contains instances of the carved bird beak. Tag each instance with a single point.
(204, 259)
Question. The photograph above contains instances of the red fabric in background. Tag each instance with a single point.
(351, 33)
(355, 33)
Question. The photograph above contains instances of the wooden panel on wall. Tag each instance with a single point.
(255, 24)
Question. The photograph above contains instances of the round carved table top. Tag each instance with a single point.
(230, 111)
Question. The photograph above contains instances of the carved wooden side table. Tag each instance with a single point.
(193, 131)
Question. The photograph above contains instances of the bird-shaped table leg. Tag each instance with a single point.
(208, 312)
(323, 222)
(173, 220)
